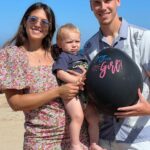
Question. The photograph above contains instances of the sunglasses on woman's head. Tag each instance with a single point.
(33, 20)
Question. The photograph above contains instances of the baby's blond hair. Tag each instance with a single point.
(64, 29)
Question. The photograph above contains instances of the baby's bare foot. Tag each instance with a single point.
(76, 147)
(94, 146)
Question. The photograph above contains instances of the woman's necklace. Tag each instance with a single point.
(39, 57)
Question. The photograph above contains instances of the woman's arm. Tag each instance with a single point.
(19, 101)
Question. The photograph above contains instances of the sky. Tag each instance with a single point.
(77, 12)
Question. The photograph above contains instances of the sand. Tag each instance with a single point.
(11, 127)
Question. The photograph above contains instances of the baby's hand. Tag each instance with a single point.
(80, 77)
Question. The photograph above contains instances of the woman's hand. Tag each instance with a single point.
(139, 109)
(68, 91)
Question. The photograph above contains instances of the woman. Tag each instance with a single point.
(27, 80)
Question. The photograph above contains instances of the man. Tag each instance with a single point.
(132, 132)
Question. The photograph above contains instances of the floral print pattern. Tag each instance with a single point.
(46, 128)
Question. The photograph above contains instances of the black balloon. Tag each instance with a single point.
(113, 79)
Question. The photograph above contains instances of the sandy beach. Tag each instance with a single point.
(11, 127)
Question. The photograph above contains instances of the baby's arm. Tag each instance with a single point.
(67, 77)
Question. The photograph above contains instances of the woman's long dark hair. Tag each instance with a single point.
(21, 36)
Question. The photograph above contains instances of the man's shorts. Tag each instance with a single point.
(113, 145)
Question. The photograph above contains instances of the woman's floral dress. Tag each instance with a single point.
(46, 128)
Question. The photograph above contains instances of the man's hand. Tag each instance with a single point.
(141, 108)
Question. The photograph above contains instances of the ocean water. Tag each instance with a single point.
(81, 50)
(0, 44)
